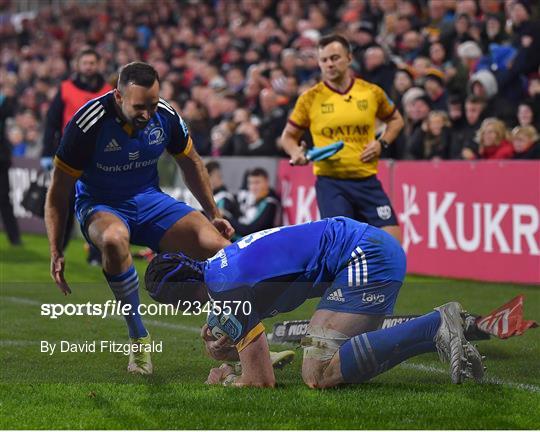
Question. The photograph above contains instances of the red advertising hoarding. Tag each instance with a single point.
(474, 220)
(470, 220)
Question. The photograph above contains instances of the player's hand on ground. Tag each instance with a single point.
(218, 375)
(371, 152)
(299, 156)
(224, 227)
(57, 273)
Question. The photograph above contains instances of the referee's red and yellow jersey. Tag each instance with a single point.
(349, 116)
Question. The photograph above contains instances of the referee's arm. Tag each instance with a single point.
(394, 124)
(290, 138)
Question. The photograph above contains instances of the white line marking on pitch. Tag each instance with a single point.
(416, 366)
(487, 379)
(10, 342)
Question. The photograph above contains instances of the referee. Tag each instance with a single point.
(343, 107)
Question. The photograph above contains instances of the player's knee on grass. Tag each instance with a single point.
(320, 347)
(320, 375)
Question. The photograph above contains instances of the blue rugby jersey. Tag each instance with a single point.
(110, 160)
(276, 270)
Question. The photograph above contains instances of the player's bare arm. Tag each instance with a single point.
(394, 124)
(56, 211)
(196, 179)
(290, 138)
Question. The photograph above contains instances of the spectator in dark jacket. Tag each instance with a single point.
(484, 84)
(403, 81)
(433, 141)
(264, 210)
(527, 114)
(273, 120)
(376, 69)
(225, 200)
(525, 140)
(493, 32)
(464, 139)
(7, 109)
(458, 124)
(416, 107)
(434, 85)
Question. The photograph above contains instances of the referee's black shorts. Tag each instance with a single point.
(363, 200)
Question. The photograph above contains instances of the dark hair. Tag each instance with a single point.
(455, 99)
(173, 277)
(212, 166)
(328, 39)
(476, 99)
(138, 73)
(258, 172)
(88, 51)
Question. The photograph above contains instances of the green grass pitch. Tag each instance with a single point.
(87, 390)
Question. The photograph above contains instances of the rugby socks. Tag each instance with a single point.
(369, 354)
(125, 287)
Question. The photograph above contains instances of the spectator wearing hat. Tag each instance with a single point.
(435, 89)
(468, 56)
(525, 142)
(415, 112)
(484, 84)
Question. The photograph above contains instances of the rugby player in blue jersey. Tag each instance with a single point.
(109, 151)
(356, 270)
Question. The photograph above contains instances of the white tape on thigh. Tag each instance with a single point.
(322, 343)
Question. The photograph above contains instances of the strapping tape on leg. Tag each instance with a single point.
(321, 343)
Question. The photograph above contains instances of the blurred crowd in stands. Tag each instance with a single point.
(465, 74)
